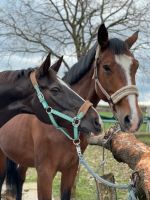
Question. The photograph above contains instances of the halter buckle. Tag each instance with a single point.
(78, 148)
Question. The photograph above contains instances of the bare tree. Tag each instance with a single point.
(68, 27)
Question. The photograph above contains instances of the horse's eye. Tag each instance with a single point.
(107, 68)
(55, 90)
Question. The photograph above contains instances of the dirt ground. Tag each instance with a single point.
(29, 192)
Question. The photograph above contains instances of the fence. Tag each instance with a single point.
(146, 121)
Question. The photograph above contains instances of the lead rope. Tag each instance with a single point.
(112, 99)
(130, 187)
(76, 141)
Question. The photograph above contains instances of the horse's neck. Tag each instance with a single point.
(85, 87)
(12, 92)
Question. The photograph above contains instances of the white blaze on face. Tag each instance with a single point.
(125, 62)
(63, 83)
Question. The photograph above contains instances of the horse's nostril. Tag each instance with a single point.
(127, 120)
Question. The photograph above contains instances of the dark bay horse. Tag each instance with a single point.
(59, 89)
(115, 67)
(17, 95)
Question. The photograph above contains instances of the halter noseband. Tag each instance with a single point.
(119, 94)
(75, 121)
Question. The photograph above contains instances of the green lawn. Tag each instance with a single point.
(86, 185)
(107, 114)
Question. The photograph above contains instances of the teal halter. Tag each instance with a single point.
(50, 111)
(75, 121)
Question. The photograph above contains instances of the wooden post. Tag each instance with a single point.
(105, 192)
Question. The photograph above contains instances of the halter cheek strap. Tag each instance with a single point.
(33, 78)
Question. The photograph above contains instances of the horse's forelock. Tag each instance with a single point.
(117, 46)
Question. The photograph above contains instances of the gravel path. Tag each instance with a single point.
(30, 192)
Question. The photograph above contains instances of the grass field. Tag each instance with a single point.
(86, 188)
(86, 185)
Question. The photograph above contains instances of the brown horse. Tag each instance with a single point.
(115, 67)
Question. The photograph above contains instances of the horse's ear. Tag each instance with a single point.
(43, 69)
(57, 64)
(132, 39)
(102, 36)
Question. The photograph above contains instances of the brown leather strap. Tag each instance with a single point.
(85, 107)
(33, 78)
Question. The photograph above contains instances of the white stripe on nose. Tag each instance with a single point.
(125, 62)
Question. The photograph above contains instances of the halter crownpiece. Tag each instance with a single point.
(33, 78)
(119, 94)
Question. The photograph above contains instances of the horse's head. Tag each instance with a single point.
(115, 69)
(61, 97)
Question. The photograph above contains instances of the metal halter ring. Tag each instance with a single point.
(76, 122)
(49, 109)
(76, 142)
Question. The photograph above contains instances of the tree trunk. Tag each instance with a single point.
(126, 148)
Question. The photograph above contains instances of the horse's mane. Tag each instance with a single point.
(13, 75)
(79, 69)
